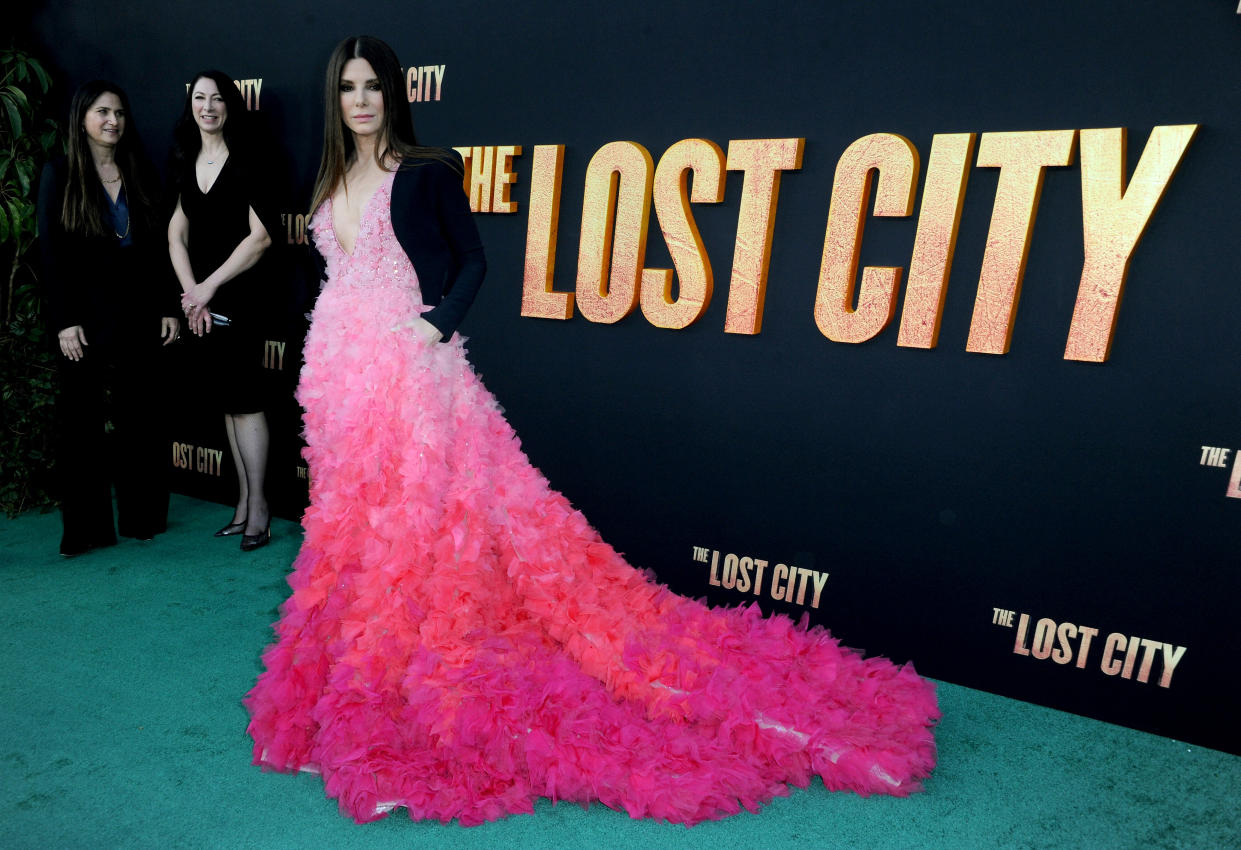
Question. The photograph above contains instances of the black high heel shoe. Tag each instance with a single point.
(250, 542)
(231, 529)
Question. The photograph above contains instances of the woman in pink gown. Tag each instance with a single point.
(459, 641)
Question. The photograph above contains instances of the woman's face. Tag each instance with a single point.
(207, 104)
(361, 99)
(105, 120)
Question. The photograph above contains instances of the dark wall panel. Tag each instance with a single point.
(948, 496)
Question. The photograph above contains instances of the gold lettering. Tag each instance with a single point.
(761, 161)
(295, 228)
(273, 354)
(680, 231)
(947, 172)
(250, 92)
(207, 461)
(1131, 657)
(778, 575)
(1023, 159)
(895, 160)
(543, 220)
(1113, 221)
(246, 88)
(1115, 643)
(488, 174)
(504, 178)
(480, 173)
(616, 208)
(412, 83)
(1171, 658)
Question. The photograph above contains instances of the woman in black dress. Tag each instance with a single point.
(110, 302)
(218, 232)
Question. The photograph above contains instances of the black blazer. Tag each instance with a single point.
(92, 281)
(432, 220)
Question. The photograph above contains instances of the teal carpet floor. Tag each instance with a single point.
(121, 725)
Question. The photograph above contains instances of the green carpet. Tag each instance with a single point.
(121, 726)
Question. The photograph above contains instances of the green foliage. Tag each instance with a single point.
(27, 364)
(28, 379)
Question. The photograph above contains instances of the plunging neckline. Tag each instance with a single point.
(115, 203)
(361, 216)
(215, 182)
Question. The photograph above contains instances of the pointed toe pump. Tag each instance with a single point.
(250, 542)
(231, 529)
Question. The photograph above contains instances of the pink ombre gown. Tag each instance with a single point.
(459, 641)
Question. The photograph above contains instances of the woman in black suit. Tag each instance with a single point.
(111, 303)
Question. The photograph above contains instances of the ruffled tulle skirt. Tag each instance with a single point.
(459, 641)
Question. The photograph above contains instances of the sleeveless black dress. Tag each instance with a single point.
(219, 220)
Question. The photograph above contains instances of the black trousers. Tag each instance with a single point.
(117, 383)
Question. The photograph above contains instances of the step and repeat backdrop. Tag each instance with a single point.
(920, 320)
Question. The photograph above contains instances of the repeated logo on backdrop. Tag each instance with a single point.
(251, 91)
(273, 354)
(425, 82)
(295, 224)
(766, 579)
(1217, 457)
(205, 460)
(1139, 659)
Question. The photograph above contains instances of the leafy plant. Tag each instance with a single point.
(27, 365)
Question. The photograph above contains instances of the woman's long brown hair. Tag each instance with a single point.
(187, 140)
(84, 209)
(398, 127)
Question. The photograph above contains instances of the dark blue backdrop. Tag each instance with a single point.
(933, 485)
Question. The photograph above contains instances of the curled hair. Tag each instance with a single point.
(187, 140)
(85, 206)
(397, 141)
